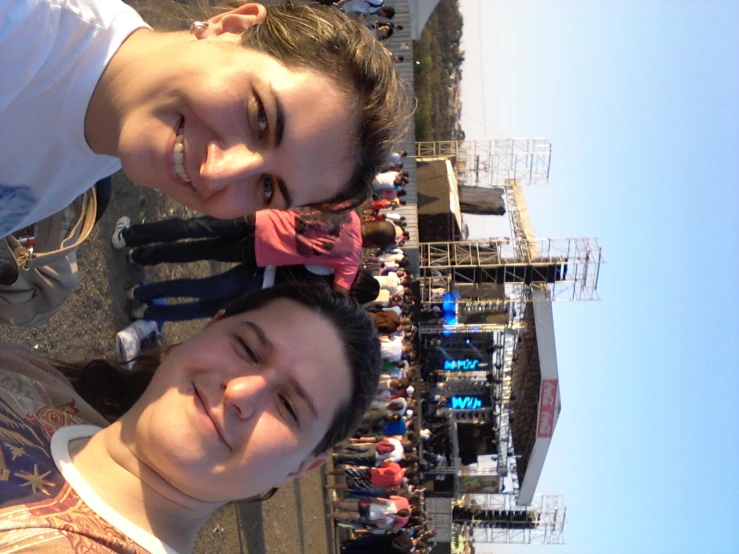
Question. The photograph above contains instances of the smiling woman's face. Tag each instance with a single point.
(229, 131)
(241, 407)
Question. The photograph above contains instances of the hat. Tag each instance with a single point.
(410, 390)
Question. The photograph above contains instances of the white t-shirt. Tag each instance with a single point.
(391, 349)
(367, 7)
(394, 255)
(383, 298)
(385, 180)
(395, 158)
(52, 54)
(390, 282)
(380, 511)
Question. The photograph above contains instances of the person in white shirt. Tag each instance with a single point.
(87, 88)
(367, 7)
(391, 348)
(386, 180)
(397, 157)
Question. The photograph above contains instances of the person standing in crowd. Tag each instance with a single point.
(399, 542)
(397, 157)
(305, 245)
(380, 512)
(370, 454)
(366, 7)
(269, 237)
(389, 474)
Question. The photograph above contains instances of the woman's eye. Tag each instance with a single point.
(261, 121)
(289, 407)
(268, 189)
(247, 350)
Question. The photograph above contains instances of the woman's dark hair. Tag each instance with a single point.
(385, 33)
(365, 287)
(389, 11)
(112, 389)
(403, 512)
(325, 40)
(379, 234)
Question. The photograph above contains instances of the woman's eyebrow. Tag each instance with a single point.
(259, 332)
(279, 118)
(300, 391)
(279, 134)
(285, 192)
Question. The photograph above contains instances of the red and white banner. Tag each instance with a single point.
(547, 406)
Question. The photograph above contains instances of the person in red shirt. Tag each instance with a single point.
(383, 204)
(389, 474)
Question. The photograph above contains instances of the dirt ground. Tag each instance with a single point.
(293, 521)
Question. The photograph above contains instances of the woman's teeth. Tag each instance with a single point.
(179, 156)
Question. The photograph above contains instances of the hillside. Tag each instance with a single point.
(438, 75)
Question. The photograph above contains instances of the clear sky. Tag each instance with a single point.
(641, 101)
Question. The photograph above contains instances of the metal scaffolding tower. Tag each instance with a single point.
(488, 163)
(494, 518)
(482, 269)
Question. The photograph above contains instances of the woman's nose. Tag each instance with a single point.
(250, 394)
(225, 165)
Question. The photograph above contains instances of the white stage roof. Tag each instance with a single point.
(420, 13)
(549, 397)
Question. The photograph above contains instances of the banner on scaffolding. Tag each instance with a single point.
(481, 200)
(479, 484)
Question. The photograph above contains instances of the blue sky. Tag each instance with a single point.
(641, 102)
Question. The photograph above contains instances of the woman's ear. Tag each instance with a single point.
(217, 317)
(309, 464)
(229, 25)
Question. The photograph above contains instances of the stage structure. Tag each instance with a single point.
(503, 270)
(490, 163)
(500, 270)
(489, 339)
(498, 520)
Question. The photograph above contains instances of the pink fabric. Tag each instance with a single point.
(389, 475)
(291, 238)
(400, 504)
(380, 204)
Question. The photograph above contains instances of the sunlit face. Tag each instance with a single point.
(241, 407)
(228, 131)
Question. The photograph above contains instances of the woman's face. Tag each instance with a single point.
(229, 131)
(241, 406)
